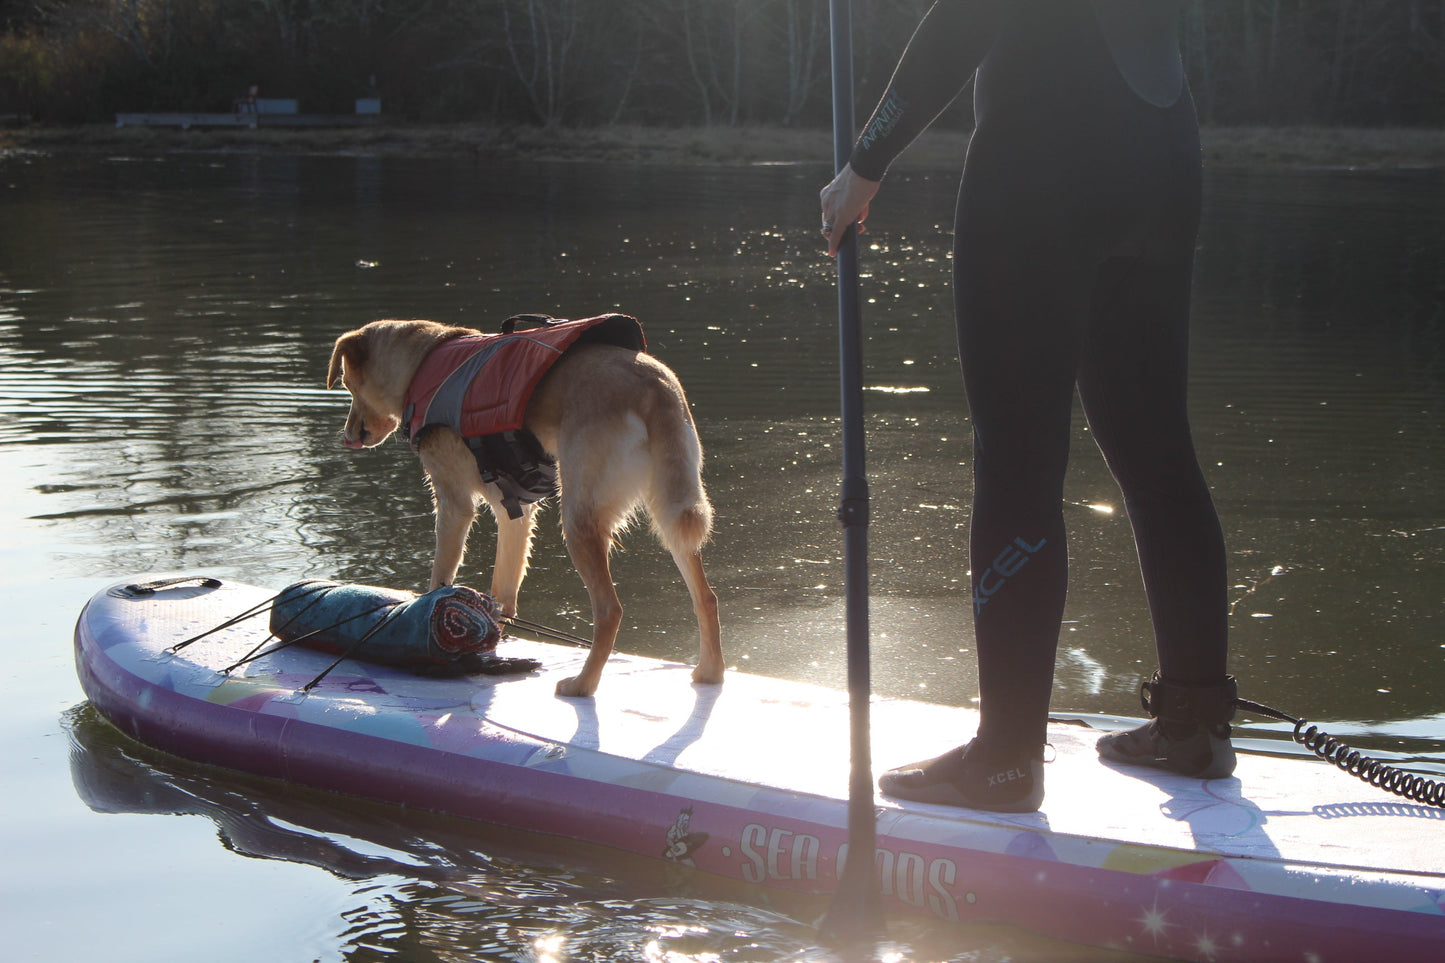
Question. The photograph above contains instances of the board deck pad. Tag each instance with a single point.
(1289, 857)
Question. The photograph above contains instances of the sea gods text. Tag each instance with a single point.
(772, 853)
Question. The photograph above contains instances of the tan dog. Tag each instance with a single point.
(618, 424)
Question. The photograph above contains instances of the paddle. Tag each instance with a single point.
(855, 912)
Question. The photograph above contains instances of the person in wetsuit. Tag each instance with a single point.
(1073, 250)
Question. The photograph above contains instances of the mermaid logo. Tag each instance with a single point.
(681, 841)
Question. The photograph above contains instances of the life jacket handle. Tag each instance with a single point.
(541, 320)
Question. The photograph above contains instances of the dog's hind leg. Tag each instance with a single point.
(704, 605)
(682, 521)
(589, 543)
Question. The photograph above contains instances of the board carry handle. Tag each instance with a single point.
(146, 589)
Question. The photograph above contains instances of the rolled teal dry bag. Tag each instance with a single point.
(450, 631)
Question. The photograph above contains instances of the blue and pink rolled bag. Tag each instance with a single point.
(453, 630)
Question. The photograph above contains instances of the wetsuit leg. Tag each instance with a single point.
(1132, 383)
(1021, 300)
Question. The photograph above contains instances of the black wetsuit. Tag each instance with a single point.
(1073, 248)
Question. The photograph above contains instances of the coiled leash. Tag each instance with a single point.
(1410, 785)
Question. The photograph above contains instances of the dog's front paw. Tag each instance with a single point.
(574, 687)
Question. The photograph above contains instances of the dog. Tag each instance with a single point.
(617, 424)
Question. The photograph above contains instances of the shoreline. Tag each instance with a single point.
(1231, 147)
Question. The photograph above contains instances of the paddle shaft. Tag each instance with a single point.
(855, 909)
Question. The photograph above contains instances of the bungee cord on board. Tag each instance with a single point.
(355, 647)
(313, 591)
(555, 634)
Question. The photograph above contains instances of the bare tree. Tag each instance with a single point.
(540, 37)
(805, 48)
(712, 38)
(143, 27)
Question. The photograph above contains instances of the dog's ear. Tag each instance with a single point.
(351, 349)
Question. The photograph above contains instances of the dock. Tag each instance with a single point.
(263, 112)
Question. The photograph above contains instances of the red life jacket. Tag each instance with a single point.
(479, 386)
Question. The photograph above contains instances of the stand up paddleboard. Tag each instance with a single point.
(1289, 859)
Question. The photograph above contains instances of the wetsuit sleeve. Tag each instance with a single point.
(942, 55)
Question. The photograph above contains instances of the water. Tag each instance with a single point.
(164, 330)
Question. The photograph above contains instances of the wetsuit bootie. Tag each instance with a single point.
(1189, 733)
(972, 777)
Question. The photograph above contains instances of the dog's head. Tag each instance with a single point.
(376, 363)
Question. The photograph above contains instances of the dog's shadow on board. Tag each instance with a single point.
(704, 701)
(588, 733)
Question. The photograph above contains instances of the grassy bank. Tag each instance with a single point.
(1223, 147)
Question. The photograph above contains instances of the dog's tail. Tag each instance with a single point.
(677, 502)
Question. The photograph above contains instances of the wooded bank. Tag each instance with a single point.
(666, 63)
